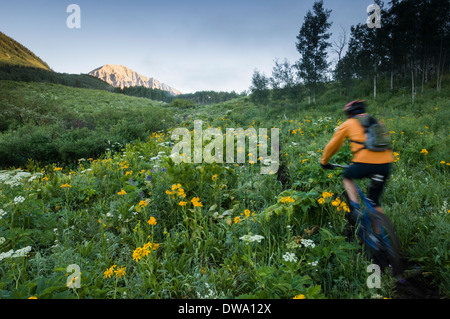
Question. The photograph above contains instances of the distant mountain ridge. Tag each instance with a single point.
(121, 76)
(14, 53)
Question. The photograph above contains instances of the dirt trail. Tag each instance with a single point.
(414, 285)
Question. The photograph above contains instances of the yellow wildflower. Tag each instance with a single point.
(122, 192)
(182, 203)
(180, 192)
(327, 194)
(196, 202)
(301, 296)
(424, 151)
(120, 272)
(336, 202)
(214, 177)
(237, 219)
(109, 272)
(174, 187)
(321, 200)
(247, 213)
(137, 254)
(287, 199)
(143, 203)
(65, 185)
(152, 221)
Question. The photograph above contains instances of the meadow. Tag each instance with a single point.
(53, 123)
(140, 226)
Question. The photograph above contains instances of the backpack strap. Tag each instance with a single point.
(365, 122)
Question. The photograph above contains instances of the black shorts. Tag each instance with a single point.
(378, 174)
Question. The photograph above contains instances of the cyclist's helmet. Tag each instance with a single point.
(355, 107)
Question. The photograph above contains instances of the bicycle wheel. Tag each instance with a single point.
(388, 253)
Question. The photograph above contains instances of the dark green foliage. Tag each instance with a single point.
(209, 97)
(181, 103)
(32, 74)
(312, 45)
(197, 98)
(260, 92)
(56, 124)
(409, 51)
(142, 91)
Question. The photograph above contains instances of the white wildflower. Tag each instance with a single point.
(19, 199)
(313, 154)
(444, 208)
(2, 213)
(2, 240)
(35, 175)
(13, 178)
(290, 257)
(251, 238)
(17, 254)
(308, 243)
(6, 255)
(21, 252)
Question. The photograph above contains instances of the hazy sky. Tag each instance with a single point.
(191, 45)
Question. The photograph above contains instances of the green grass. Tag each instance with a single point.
(101, 219)
(12, 52)
(54, 123)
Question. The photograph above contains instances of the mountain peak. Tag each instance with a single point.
(121, 76)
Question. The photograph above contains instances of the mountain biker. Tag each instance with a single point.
(365, 163)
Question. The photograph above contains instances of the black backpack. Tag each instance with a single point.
(377, 135)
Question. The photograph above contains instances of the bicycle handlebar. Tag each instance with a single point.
(339, 166)
(333, 166)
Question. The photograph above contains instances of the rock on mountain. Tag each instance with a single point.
(121, 76)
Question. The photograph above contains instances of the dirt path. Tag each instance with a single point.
(414, 285)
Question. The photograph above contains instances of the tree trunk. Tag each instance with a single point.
(423, 76)
(412, 83)
(392, 80)
(375, 86)
(441, 73)
(439, 70)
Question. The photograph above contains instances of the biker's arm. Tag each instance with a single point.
(335, 143)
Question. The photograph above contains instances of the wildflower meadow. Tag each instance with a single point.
(138, 225)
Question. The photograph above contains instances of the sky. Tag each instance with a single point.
(191, 45)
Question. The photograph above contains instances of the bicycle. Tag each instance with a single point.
(383, 245)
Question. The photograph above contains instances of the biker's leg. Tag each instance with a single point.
(376, 186)
(379, 209)
(352, 192)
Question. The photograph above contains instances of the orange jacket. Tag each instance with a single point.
(354, 131)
